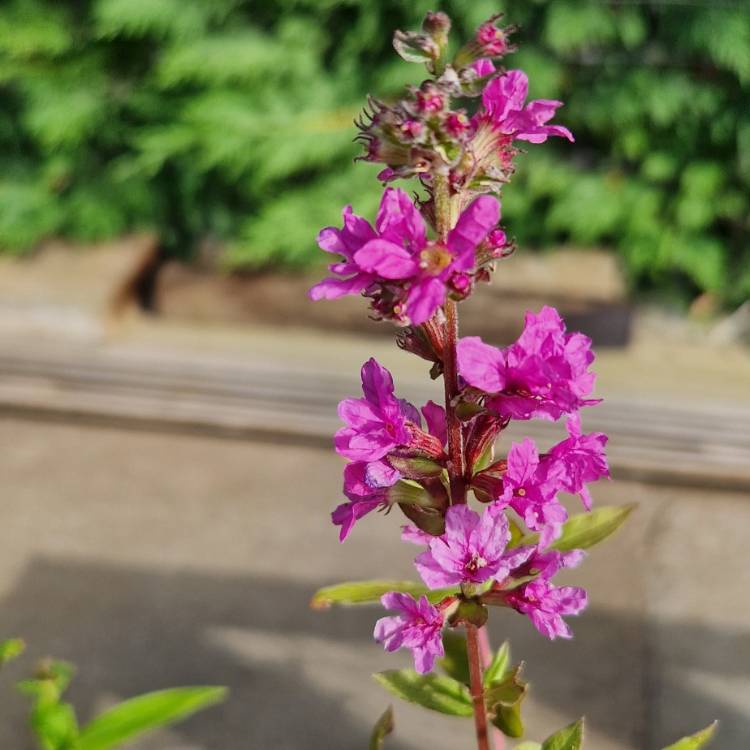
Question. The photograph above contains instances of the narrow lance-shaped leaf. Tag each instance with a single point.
(369, 592)
(442, 694)
(695, 741)
(383, 727)
(568, 738)
(585, 530)
(145, 713)
(498, 666)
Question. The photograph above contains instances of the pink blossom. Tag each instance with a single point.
(472, 549)
(582, 459)
(542, 375)
(376, 424)
(418, 627)
(395, 264)
(366, 487)
(367, 483)
(548, 563)
(545, 604)
(530, 487)
(402, 254)
(504, 108)
(345, 242)
(493, 41)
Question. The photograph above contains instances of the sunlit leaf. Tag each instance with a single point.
(438, 693)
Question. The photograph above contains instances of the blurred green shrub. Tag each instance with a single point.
(231, 120)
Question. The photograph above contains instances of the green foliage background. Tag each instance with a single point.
(231, 119)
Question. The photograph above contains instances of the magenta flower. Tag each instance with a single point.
(345, 242)
(530, 487)
(376, 424)
(472, 549)
(407, 276)
(402, 253)
(366, 486)
(418, 627)
(548, 563)
(542, 375)
(582, 459)
(545, 604)
(505, 110)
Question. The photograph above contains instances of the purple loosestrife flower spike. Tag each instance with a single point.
(545, 604)
(543, 375)
(418, 627)
(471, 551)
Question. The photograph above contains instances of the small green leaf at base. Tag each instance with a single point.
(144, 713)
(369, 592)
(528, 746)
(695, 741)
(568, 738)
(437, 693)
(503, 701)
(10, 650)
(383, 727)
(498, 666)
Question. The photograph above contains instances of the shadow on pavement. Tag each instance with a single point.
(133, 630)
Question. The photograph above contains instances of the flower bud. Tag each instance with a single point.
(481, 438)
(415, 468)
(437, 25)
(417, 48)
(428, 520)
(488, 483)
(469, 612)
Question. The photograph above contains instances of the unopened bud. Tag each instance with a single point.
(437, 25)
(469, 612)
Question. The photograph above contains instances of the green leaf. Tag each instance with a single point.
(10, 650)
(499, 665)
(382, 728)
(455, 663)
(369, 592)
(695, 741)
(528, 746)
(584, 530)
(442, 694)
(503, 701)
(144, 713)
(569, 738)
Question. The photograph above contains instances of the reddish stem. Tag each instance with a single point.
(485, 652)
(456, 468)
(477, 688)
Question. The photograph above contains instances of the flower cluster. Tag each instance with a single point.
(407, 276)
(414, 264)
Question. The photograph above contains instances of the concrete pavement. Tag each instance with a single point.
(153, 560)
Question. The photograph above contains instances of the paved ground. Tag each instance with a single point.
(154, 560)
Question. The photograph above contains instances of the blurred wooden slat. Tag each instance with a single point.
(698, 444)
